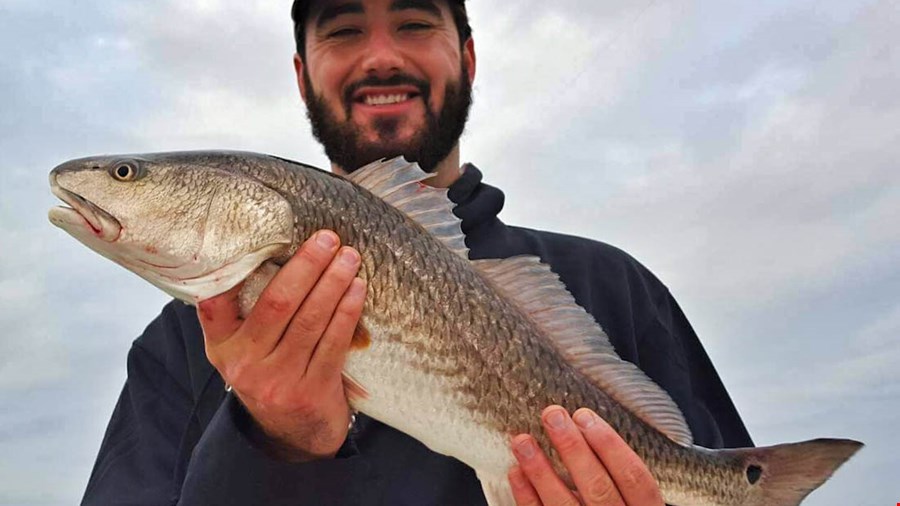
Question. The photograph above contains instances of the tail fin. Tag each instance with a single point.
(783, 475)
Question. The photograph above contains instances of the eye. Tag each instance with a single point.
(341, 33)
(754, 473)
(414, 26)
(124, 171)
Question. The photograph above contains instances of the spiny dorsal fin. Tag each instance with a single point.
(399, 183)
(539, 292)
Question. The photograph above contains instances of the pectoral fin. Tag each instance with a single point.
(353, 388)
(361, 338)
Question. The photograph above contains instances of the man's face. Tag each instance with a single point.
(384, 78)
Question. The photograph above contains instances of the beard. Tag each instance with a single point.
(343, 141)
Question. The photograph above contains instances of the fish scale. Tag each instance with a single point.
(461, 355)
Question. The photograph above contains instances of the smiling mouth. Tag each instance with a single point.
(386, 99)
(374, 97)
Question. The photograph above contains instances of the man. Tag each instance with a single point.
(379, 78)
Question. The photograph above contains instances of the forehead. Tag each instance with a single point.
(322, 10)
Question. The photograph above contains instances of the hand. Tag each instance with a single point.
(604, 468)
(284, 361)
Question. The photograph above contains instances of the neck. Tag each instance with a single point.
(445, 174)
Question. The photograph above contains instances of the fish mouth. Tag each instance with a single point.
(80, 212)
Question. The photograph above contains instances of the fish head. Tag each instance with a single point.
(183, 221)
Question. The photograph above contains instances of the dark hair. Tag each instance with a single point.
(300, 10)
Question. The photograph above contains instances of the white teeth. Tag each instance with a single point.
(386, 99)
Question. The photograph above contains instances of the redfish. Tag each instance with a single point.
(459, 354)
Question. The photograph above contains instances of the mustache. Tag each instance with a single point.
(395, 80)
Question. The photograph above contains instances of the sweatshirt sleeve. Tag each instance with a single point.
(226, 469)
(158, 450)
(648, 328)
(670, 352)
(705, 401)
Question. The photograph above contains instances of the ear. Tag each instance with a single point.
(469, 56)
(298, 70)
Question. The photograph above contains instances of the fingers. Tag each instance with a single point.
(535, 465)
(604, 469)
(331, 351)
(631, 476)
(308, 325)
(295, 307)
(522, 491)
(309, 309)
(220, 316)
(588, 473)
(288, 290)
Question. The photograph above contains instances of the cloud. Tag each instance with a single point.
(30, 355)
(757, 213)
(746, 152)
(881, 333)
(565, 68)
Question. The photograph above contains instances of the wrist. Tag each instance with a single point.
(277, 448)
(297, 447)
(272, 446)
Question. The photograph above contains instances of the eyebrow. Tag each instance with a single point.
(332, 11)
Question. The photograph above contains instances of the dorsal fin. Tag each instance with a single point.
(399, 183)
(538, 291)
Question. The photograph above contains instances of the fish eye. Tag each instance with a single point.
(124, 171)
(754, 473)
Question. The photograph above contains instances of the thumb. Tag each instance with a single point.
(220, 316)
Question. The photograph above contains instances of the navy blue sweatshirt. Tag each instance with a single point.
(176, 437)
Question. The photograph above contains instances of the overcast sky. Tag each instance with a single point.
(746, 152)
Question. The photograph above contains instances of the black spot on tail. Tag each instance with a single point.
(754, 473)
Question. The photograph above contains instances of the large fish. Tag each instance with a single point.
(462, 354)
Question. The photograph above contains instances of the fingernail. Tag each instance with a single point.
(585, 418)
(349, 257)
(326, 240)
(525, 448)
(556, 419)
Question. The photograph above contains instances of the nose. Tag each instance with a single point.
(382, 57)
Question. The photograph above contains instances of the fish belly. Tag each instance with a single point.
(416, 393)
